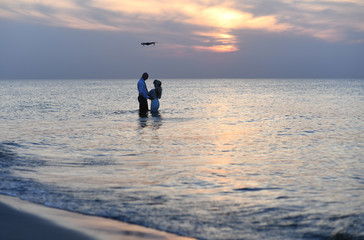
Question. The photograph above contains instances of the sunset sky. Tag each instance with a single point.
(195, 38)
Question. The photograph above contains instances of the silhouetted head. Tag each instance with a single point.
(157, 83)
(145, 76)
(158, 88)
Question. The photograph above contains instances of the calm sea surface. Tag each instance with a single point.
(223, 159)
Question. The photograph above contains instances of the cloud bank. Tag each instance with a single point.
(200, 25)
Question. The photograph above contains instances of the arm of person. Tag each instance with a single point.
(151, 94)
(142, 89)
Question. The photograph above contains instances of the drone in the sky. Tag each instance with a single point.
(148, 43)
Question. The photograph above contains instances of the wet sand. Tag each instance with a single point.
(24, 220)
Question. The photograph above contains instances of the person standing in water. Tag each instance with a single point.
(143, 94)
(155, 94)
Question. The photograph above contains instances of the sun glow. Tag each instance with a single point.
(221, 17)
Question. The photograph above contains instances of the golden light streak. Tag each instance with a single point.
(224, 42)
(217, 48)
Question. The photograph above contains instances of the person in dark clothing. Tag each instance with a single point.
(143, 94)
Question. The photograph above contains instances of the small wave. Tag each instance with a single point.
(6, 157)
(346, 236)
(121, 112)
(254, 189)
(12, 144)
(308, 131)
(10, 158)
(283, 197)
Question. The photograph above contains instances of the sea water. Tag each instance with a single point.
(223, 158)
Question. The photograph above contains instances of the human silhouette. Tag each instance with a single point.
(143, 95)
(155, 94)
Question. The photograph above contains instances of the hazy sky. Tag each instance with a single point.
(195, 38)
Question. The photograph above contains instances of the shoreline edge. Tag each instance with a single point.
(20, 219)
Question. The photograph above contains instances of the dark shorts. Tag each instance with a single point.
(143, 104)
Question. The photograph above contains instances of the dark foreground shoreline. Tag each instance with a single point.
(24, 220)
